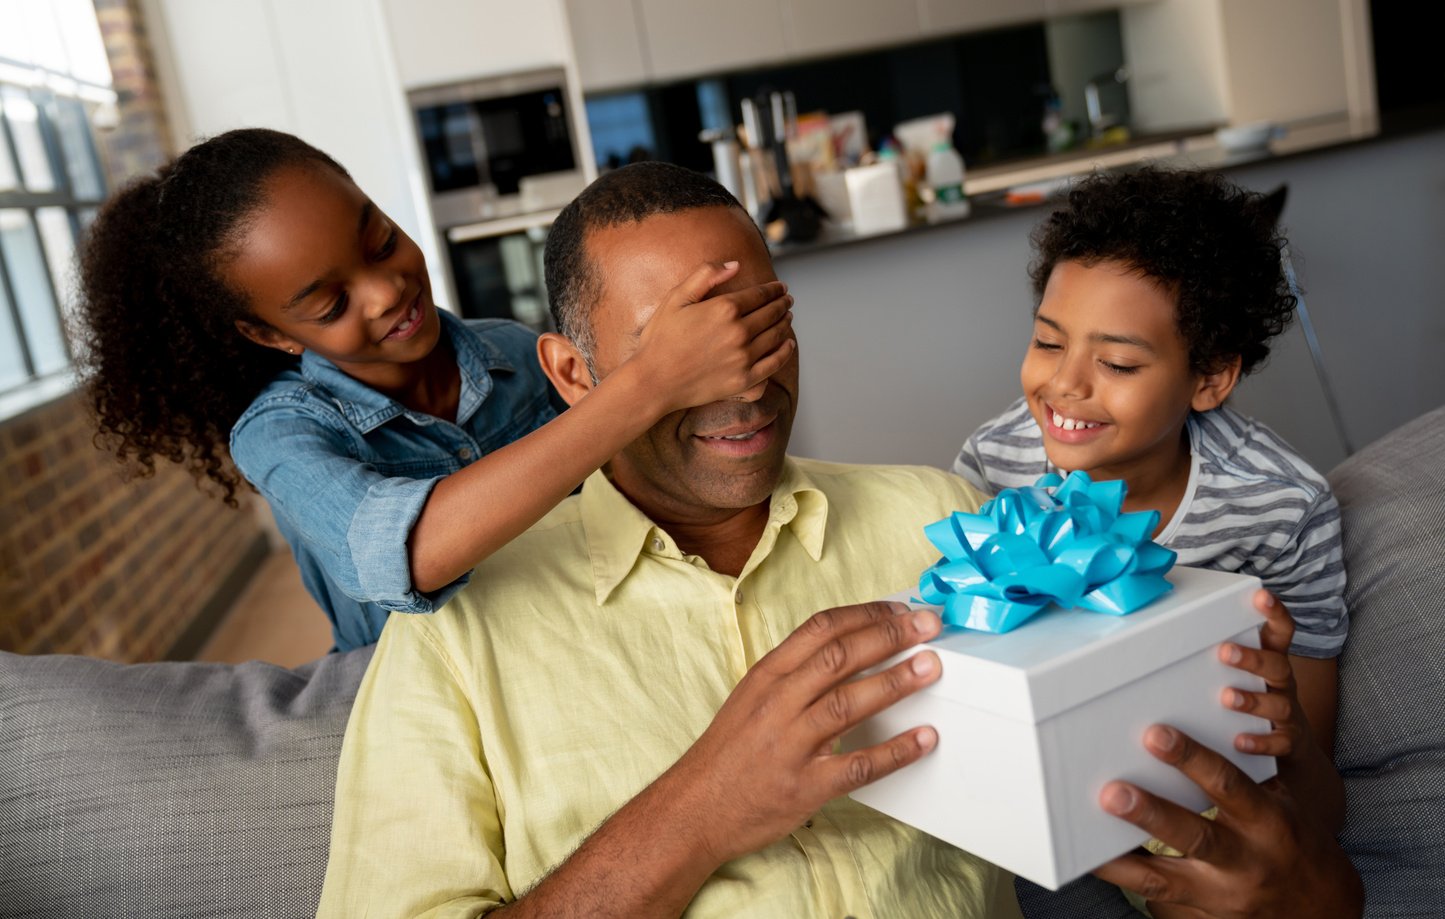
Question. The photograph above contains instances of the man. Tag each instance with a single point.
(631, 710)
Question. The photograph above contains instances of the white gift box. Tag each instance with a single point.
(1033, 723)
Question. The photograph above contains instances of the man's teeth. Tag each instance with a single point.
(1070, 424)
(731, 436)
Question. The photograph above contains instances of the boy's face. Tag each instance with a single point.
(1107, 374)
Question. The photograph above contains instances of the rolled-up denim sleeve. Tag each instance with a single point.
(355, 521)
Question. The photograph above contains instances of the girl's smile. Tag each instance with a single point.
(325, 270)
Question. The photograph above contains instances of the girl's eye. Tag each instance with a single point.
(1042, 345)
(336, 310)
(1120, 368)
(388, 247)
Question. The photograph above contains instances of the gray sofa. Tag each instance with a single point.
(164, 790)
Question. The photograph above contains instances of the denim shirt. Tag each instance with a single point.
(347, 470)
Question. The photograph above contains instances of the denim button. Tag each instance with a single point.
(465, 453)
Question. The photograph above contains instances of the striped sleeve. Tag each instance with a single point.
(1309, 577)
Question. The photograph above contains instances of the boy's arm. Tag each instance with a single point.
(694, 351)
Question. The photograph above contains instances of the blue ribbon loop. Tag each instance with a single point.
(1063, 541)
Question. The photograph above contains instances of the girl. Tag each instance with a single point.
(251, 290)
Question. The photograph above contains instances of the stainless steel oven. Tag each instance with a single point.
(498, 147)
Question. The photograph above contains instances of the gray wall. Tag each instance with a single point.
(909, 343)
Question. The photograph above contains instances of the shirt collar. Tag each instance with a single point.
(618, 534)
(368, 409)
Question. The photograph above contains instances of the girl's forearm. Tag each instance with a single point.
(477, 510)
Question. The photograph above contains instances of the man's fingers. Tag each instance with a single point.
(821, 628)
(1165, 880)
(1164, 820)
(1278, 629)
(1216, 776)
(844, 706)
(845, 772)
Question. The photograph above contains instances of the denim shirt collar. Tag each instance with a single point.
(368, 409)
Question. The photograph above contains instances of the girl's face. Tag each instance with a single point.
(1107, 375)
(324, 269)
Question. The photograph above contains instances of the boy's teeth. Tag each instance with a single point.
(1070, 424)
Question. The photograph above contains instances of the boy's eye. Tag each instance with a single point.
(1120, 368)
(1042, 345)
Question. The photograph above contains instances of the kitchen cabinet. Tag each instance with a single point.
(686, 38)
(608, 43)
(444, 41)
(1200, 61)
(941, 17)
(818, 27)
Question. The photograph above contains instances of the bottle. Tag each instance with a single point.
(944, 174)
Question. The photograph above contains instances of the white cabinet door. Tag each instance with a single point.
(820, 27)
(943, 17)
(1072, 7)
(607, 37)
(686, 38)
(441, 41)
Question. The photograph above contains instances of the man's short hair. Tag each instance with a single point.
(630, 194)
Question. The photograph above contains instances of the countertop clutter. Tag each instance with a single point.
(1005, 187)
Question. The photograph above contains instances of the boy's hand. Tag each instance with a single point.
(1280, 704)
(702, 349)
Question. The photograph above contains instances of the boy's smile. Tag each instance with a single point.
(1108, 379)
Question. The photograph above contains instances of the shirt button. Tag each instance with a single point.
(465, 453)
(657, 544)
(738, 597)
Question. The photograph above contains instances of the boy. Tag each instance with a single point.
(1157, 290)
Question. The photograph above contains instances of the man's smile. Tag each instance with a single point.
(740, 439)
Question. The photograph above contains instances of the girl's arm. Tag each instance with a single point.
(693, 351)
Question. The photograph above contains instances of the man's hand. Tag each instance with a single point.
(1260, 858)
(766, 763)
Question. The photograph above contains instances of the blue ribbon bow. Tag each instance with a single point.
(1061, 541)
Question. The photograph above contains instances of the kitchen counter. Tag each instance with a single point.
(988, 187)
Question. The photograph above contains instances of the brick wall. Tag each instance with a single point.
(141, 140)
(93, 564)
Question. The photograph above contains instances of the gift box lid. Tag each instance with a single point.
(1061, 658)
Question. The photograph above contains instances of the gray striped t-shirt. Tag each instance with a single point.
(1252, 506)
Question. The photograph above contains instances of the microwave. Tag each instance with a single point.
(498, 147)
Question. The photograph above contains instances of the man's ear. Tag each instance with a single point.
(565, 366)
(1215, 387)
(267, 337)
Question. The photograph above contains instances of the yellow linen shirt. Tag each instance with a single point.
(491, 738)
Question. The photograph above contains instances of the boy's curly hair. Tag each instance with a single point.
(1212, 243)
(163, 367)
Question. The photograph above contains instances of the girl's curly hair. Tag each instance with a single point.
(1212, 243)
(164, 369)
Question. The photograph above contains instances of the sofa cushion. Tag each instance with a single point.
(171, 789)
(1390, 745)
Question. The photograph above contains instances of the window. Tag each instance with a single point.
(53, 76)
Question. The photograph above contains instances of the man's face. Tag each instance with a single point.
(726, 455)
